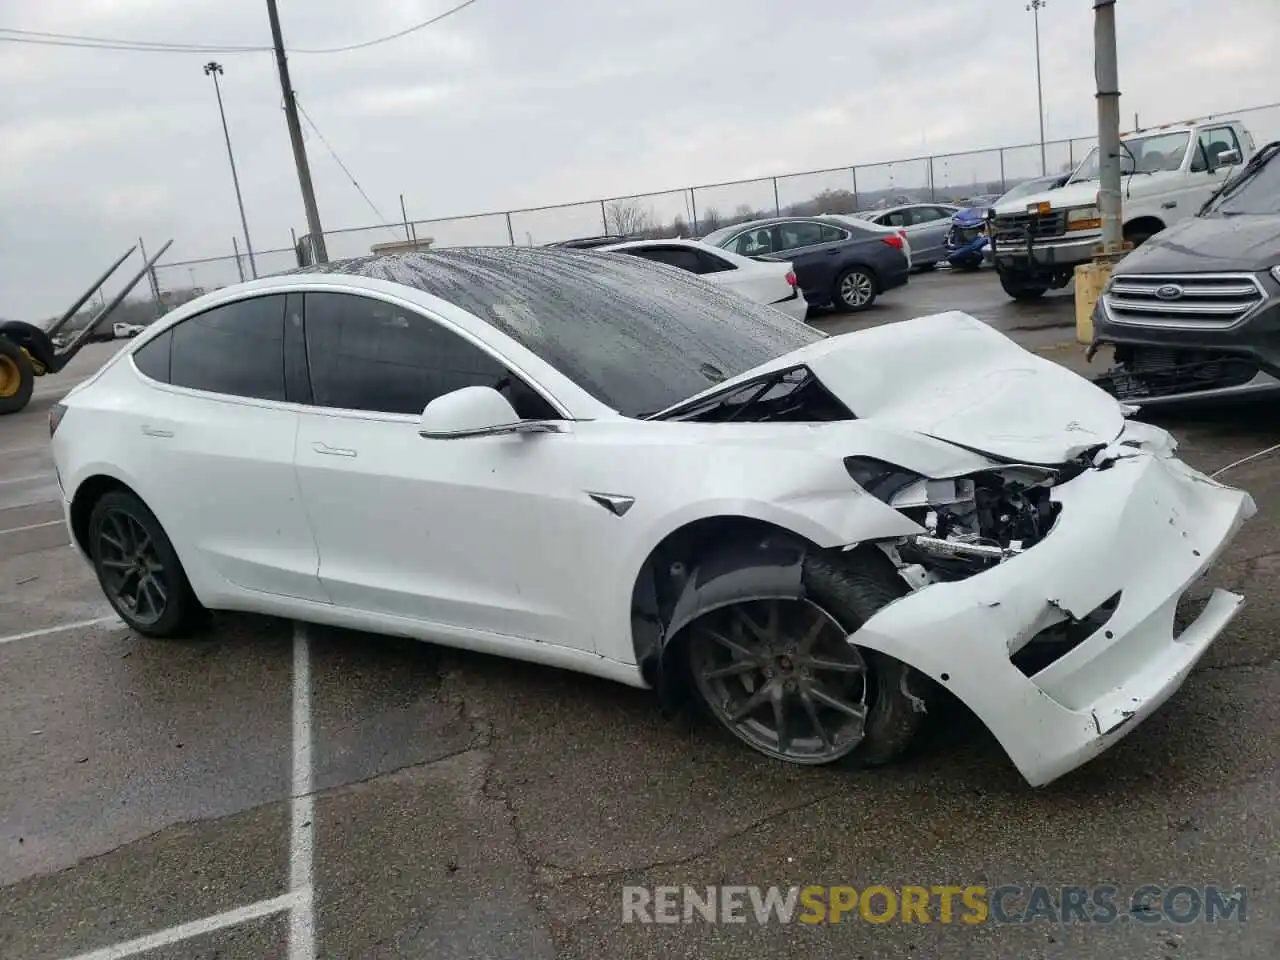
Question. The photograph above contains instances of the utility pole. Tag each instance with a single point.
(295, 137)
(212, 69)
(1092, 277)
(1034, 6)
(1108, 82)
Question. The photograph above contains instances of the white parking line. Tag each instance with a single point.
(46, 631)
(196, 928)
(34, 526)
(28, 478)
(302, 924)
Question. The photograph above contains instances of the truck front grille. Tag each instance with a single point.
(1199, 301)
(1014, 227)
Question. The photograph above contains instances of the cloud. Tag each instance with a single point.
(513, 103)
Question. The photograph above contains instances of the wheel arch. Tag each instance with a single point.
(89, 492)
(1147, 224)
(702, 565)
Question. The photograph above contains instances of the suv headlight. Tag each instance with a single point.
(1084, 218)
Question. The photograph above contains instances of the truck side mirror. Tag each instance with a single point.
(1227, 158)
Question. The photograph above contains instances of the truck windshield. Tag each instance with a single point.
(1161, 151)
(1255, 190)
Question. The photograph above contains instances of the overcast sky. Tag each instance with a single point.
(515, 103)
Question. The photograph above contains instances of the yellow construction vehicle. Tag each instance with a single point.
(28, 351)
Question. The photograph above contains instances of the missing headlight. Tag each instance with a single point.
(971, 523)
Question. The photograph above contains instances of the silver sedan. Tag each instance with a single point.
(926, 225)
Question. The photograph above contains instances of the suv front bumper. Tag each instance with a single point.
(1254, 341)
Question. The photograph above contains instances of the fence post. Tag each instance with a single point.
(511, 236)
(777, 209)
(1003, 187)
(404, 215)
(693, 205)
(604, 220)
(239, 266)
(856, 205)
(932, 191)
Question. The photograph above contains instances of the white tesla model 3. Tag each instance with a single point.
(602, 464)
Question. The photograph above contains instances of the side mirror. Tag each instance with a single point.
(477, 412)
(1227, 158)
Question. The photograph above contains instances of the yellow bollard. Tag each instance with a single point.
(1090, 279)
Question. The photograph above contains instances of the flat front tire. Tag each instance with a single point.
(138, 569)
(781, 676)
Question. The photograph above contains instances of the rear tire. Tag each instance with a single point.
(1020, 288)
(855, 289)
(817, 690)
(139, 570)
(17, 377)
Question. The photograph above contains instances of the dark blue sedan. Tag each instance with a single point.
(839, 261)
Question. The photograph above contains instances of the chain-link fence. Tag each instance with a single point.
(692, 211)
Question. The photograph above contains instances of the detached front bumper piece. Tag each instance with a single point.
(1129, 540)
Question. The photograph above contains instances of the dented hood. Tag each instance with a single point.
(952, 377)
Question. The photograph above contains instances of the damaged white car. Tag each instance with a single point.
(602, 464)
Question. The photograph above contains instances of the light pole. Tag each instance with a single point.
(1034, 6)
(212, 69)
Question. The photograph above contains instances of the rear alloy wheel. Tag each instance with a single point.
(855, 289)
(781, 675)
(138, 568)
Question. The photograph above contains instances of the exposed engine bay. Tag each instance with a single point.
(971, 523)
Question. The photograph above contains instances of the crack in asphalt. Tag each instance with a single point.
(754, 825)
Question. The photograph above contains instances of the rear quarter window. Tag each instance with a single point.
(152, 360)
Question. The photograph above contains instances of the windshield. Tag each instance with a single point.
(1255, 191)
(1026, 189)
(637, 335)
(1153, 154)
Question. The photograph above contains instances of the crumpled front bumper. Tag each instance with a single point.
(1147, 527)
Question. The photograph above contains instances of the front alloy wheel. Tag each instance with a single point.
(782, 676)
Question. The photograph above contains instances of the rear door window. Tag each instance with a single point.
(800, 234)
(681, 257)
(236, 349)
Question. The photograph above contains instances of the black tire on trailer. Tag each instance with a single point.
(796, 686)
(17, 377)
(138, 569)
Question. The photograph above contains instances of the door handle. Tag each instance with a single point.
(1168, 204)
(151, 431)
(328, 451)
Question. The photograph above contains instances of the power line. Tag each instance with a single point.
(306, 116)
(9, 35)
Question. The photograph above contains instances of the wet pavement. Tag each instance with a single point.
(206, 798)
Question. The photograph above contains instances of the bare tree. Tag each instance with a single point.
(626, 217)
(710, 220)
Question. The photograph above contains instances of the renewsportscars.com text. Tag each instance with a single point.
(969, 904)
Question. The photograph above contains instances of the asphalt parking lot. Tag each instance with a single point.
(358, 797)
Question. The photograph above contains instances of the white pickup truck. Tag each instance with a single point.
(1167, 173)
